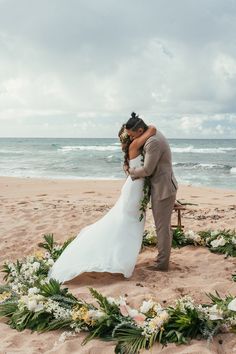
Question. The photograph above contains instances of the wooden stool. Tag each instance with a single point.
(178, 207)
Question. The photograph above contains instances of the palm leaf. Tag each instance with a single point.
(103, 302)
(130, 340)
(7, 309)
(53, 287)
(48, 244)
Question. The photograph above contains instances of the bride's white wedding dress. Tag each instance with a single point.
(111, 244)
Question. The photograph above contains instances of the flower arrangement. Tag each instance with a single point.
(30, 300)
(219, 241)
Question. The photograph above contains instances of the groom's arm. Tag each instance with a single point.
(152, 156)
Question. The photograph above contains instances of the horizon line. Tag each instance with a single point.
(60, 137)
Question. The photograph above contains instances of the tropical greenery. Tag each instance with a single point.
(146, 193)
(29, 299)
(218, 241)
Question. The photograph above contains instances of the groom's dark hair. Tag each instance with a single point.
(134, 123)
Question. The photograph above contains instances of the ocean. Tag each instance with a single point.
(200, 162)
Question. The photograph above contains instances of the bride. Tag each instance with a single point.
(111, 244)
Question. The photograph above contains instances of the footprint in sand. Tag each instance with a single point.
(40, 227)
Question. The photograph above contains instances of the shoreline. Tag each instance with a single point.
(108, 180)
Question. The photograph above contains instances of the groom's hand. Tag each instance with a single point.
(131, 172)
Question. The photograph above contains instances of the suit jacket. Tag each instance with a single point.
(157, 165)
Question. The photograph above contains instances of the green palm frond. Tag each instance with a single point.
(66, 243)
(179, 239)
(49, 242)
(175, 336)
(5, 269)
(4, 288)
(8, 308)
(56, 324)
(53, 287)
(103, 302)
(130, 340)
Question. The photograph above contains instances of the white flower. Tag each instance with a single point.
(232, 305)
(215, 313)
(185, 302)
(50, 262)
(111, 300)
(234, 240)
(154, 324)
(214, 233)
(193, 236)
(33, 302)
(58, 312)
(218, 242)
(32, 291)
(36, 266)
(33, 306)
(146, 306)
(95, 314)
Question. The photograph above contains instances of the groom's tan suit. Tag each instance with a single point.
(158, 165)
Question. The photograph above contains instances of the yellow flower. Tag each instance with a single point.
(82, 314)
(38, 254)
(5, 295)
(79, 314)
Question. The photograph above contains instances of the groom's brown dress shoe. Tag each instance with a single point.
(157, 268)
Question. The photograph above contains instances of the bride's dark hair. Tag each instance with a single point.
(125, 141)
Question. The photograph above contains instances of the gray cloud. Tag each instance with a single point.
(88, 64)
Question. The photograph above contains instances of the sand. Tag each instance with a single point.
(33, 207)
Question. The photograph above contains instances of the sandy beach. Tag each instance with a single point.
(31, 208)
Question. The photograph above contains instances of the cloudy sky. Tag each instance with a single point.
(78, 68)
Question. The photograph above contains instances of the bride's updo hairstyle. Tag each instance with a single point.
(125, 143)
(134, 123)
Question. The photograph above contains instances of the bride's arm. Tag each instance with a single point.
(141, 140)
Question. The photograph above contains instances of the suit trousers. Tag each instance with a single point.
(162, 211)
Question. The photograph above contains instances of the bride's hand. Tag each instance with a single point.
(126, 169)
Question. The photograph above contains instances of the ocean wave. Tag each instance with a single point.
(233, 170)
(5, 151)
(88, 148)
(202, 166)
(191, 149)
(113, 159)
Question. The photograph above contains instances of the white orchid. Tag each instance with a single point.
(215, 233)
(234, 240)
(33, 290)
(232, 305)
(218, 242)
(96, 314)
(34, 302)
(191, 235)
(215, 313)
(154, 324)
(146, 306)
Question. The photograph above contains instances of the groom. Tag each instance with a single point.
(157, 165)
